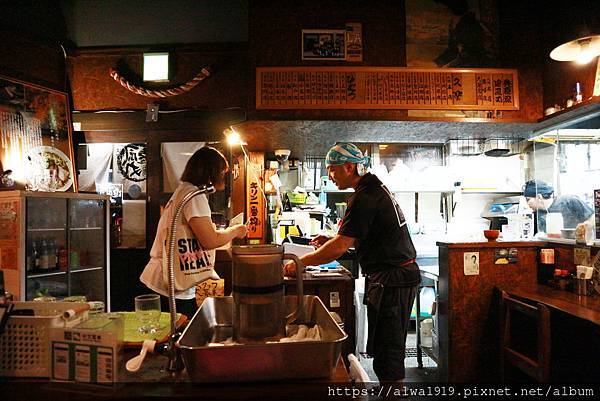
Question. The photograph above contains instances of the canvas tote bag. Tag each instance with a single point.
(191, 263)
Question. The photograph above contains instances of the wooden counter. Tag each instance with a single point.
(153, 383)
(582, 307)
(490, 244)
(467, 325)
(574, 331)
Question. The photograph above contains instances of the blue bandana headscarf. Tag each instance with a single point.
(535, 187)
(344, 152)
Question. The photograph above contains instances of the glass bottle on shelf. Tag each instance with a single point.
(116, 229)
(44, 256)
(63, 259)
(50, 252)
(30, 260)
(55, 255)
(35, 256)
(84, 257)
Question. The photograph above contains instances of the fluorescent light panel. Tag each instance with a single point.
(156, 66)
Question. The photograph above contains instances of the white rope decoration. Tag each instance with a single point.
(178, 90)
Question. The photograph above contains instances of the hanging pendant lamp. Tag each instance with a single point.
(581, 50)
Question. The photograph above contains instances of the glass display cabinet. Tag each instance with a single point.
(55, 244)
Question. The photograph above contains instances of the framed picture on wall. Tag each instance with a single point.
(323, 44)
(36, 136)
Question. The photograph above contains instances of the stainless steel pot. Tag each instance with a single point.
(258, 291)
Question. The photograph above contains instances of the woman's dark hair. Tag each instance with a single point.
(206, 166)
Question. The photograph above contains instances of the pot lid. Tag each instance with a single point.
(269, 249)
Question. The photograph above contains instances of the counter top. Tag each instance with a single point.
(491, 244)
(151, 382)
(430, 271)
(344, 274)
(583, 307)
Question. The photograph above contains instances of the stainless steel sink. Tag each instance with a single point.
(258, 361)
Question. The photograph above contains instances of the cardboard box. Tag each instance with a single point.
(90, 352)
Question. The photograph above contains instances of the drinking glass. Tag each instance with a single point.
(147, 312)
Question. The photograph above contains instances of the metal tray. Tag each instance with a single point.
(261, 361)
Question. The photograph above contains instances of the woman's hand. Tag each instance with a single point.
(289, 269)
(319, 240)
(240, 230)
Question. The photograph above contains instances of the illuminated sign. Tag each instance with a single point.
(255, 201)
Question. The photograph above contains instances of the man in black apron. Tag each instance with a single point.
(376, 227)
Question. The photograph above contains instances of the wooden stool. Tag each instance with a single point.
(538, 369)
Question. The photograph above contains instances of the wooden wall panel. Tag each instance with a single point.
(384, 39)
(278, 44)
(31, 34)
(471, 310)
(94, 89)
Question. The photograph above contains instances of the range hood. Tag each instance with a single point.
(464, 147)
(500, 147)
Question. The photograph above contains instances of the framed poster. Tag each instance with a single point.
(36, 136)
(323, 44)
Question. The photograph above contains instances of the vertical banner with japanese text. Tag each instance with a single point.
(255, 201)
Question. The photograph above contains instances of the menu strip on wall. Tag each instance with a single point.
(386, 88)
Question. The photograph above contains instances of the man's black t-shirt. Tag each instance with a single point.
(572, 208)
(383, 242)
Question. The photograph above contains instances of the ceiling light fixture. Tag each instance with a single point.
(233, 137)
(582, 50)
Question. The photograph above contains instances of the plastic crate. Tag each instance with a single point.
(295, 198)
(25, 342)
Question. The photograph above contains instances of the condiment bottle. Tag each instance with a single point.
(578, 93)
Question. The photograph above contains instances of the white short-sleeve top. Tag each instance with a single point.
(152, 275)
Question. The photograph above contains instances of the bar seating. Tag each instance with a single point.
(539, 315)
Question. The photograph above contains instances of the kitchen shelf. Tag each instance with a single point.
(39, 230)
(86, 269)
(396, 191)
(422, 191)
(85, 228)
(333, 191)
(53, 273)
(495, 192)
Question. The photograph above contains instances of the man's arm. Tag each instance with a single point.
(331, 250)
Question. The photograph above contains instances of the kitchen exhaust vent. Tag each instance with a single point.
(498, 147)
(464, 147)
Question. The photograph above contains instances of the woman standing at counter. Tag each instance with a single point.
(207, 166)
